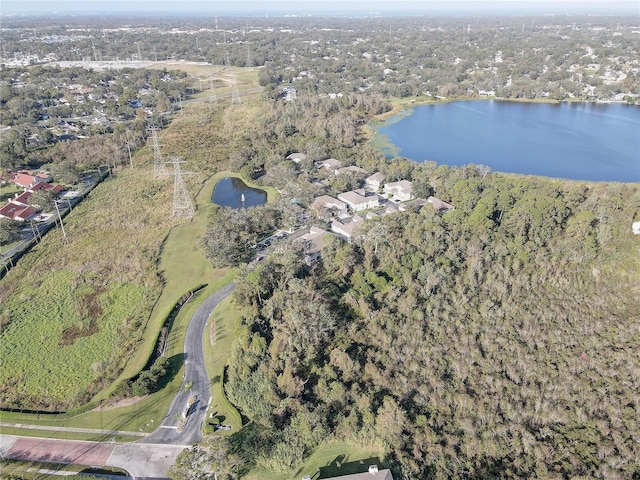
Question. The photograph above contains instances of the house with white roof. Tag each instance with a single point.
(358, 201)
(330, 164)
(400, 191)
(374, 182)
(326, 204)
(296, 157)
(346, 227)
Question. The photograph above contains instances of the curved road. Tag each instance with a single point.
(152, 456)
(195, 373)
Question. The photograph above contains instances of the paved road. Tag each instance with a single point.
(196, 375)
(151, 457)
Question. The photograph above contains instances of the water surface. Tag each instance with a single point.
(229, 192)
(582, 141)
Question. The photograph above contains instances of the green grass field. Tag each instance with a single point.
(330, 460)
(217, 343)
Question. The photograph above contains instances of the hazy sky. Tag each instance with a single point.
(279, 7)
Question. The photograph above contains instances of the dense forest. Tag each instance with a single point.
(497, 340)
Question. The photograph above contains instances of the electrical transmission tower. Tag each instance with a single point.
(212, 92)
(182, 205)
(235, 94)
(159, 168)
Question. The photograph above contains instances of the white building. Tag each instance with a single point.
(399, 191)
(374, 182)
(358, 202)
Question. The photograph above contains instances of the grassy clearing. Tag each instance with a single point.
(327, 461)
(8, 191)
(217, 343)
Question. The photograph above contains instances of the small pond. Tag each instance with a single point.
(233, 192)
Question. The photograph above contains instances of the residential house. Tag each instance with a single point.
(326, 204)
(346, 226)
(359, 201)
(16, 211)
(440, 206)
(55, 189)
(330, 164)
(26, 179)
(399, 191)
(388, 209)
(374, 182)
(313, 243)
(296, 157)
(372, 474)
(289, 93)
(415, 203)
(22, 199)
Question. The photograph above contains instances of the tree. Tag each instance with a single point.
(64, 172)
(9, 230)
(42, 199)
(211, 458)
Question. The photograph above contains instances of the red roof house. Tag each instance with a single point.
(16, 212)
(24, 179)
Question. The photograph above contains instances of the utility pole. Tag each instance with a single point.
(64, 234)
(129, 150)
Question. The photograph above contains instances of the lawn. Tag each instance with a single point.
(218, 342)
(330, 460)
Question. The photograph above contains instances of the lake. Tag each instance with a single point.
(228, 192)
(581, 141)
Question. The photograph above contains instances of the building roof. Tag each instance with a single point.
(379, 475)
(440, 205)
(23, 198)
(47, 186)
(353, 198)
(24, 179)
(326, 201)
(377, 177)
(330, 163)
(297, 157)
(16, 212)
(315, 239)
(401, 186)
(346, 227)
